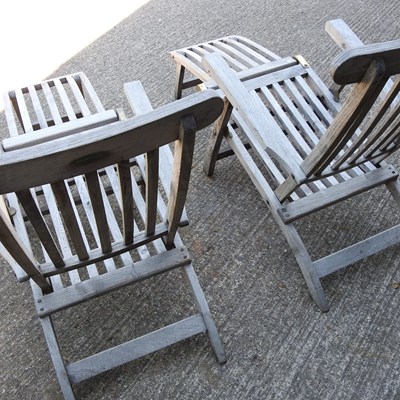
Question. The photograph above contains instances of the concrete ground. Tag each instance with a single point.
(279, 345)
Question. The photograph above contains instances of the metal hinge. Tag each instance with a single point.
(302, 61)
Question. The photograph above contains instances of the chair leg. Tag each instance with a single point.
(202, 305)
(394, 189)
(180, 74)
(306, 265)
(57, 359)
(214, 142)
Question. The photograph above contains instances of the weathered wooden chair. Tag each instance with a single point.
(315, 152)
(92, 201)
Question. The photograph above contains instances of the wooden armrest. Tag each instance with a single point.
(137, 97)
(342, 34)
(346, 39)
(58, 131)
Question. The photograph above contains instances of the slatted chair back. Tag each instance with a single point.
(368, 126)
(81, 169)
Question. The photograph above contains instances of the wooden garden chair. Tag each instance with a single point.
(91, 202)
(315, 152)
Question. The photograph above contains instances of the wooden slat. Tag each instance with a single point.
(137, 196)
(90, 91)
(65, 99)
(25, 118)
(317, 201)
(61, 130)
(235, 54)
(346, 123)
(367, 137)
(9, 112)
(266, 73)
(111, 281)
(55, 113)
(358, 251)
(70, 218)
(61, 233)
(78, 96)
(288, 72)
(183, 156)
(136, 348)
(256, 47)
(92, 181)
(20, 253)
(126, 200)
(37, 106)
(214, 142)
(36, 218)
(247, 51)
(152, 166)
(89, 214)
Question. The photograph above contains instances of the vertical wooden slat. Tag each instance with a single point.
(23, 111)
(152, 162)
(91, 92)
(90, 215)
(126, 200)
(37, 106)
(183, 156)
(64, 99)
(20, 253)
(55, 113)
(92, 181)
(61, 233)
(78, 96)
(214, 142)
(8, 109)
(367, 137)
(67, 211)
(39, 224)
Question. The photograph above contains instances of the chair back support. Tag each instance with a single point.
(84, 168)
(365, 129)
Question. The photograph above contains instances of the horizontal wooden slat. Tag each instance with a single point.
(57, 131)
(334, 194)
(110, 281)
(97, 255)
(136, 348)
(358, 251)
(107, 145)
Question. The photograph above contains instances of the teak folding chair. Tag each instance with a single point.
(92, 201)
(315, 152)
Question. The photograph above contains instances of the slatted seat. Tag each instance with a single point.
(303, 151)
(239, 52)
(96, 206)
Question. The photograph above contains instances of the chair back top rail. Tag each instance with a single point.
(94, 149)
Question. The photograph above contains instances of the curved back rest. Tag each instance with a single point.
(88, 158)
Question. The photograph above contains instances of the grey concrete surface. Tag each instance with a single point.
(279, 345)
